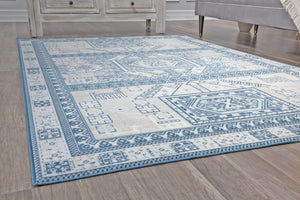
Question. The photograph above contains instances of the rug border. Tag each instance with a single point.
(170, 161)
(32, 166)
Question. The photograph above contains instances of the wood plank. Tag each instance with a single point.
(15, 173)
(20, 195)
(66, 190)
(8, 51)
(107, 187)
(8, 30)
(23, 30)
(11, 61)
(11, 103)
(178, 180)
(42, 193)
(294, 147)
(267, 177)
(230, 181)
(284, 158)
(37, 193)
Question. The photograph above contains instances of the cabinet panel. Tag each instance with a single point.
(130, 6)
(41, 11)
(69, 6)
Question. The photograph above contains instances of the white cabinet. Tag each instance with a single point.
(69, 6)
(42, 11)
(130, 6)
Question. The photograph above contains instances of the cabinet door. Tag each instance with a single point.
(69, 6)
(130, 6)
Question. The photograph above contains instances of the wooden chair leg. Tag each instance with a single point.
(148, 25)
(201, 23)
(255, 29)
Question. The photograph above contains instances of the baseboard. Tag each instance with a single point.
(178, 15)
(10, 15)
(20, 15)
(174, 15)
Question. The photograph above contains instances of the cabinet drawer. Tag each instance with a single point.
(130, 6)
(69, 6)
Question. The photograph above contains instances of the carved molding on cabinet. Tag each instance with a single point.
(41, 11)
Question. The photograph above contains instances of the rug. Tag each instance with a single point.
(293, 8)
(101, 105)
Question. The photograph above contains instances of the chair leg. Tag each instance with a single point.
(148, 25)
(297, 35)
(255, 29)
(201, 23)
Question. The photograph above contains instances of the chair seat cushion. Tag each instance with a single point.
(263, 3)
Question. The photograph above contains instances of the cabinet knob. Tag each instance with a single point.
(70, 3)
(132, 3)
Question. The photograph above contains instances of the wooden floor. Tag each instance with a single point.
(267, 173)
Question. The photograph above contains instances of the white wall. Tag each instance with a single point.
(13, 10)
(180, 4)
(16, 10)
(180, 10)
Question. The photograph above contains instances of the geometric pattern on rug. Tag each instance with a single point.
(100, 105)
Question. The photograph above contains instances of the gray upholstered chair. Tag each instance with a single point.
(257, 12)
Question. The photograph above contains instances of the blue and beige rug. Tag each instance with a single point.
(100, 105)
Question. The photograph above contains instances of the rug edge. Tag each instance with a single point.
(32, 166)
(169, 161)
